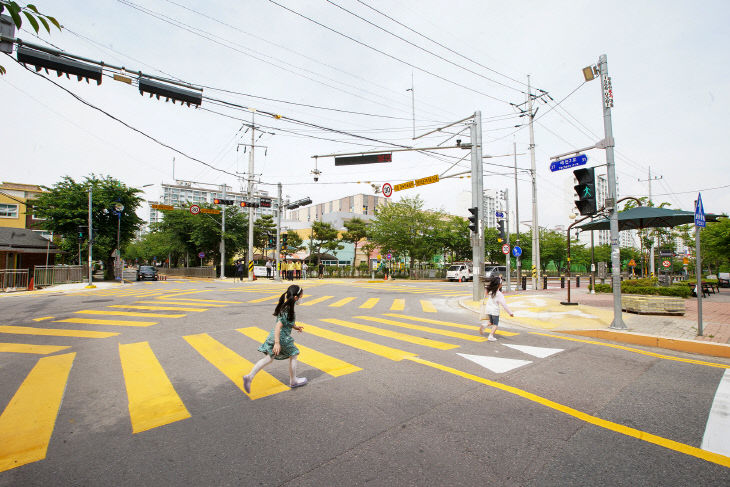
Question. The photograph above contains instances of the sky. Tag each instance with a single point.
(340, 79)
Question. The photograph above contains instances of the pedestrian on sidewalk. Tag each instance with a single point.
(305, 267)
(269, 268)
(490, 307)
(239, 270)
(279, 345)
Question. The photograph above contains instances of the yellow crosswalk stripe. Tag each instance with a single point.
(27, 423)
(398, 305)
(28, 348)
(426, 342)
(128, 313)
(56, 332)
(341, 302)
(437, 331)
(205, 300)
(368, 346)
(181, 302)
(267, 298)
(157, 308)
(43, 318)
(447, 323)
(94, 321)
(370, 303)
(315, 300)
(152, 398)
(234, 366)
(427, 307)
(326, 363)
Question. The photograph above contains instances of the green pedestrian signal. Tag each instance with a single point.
(586, 191)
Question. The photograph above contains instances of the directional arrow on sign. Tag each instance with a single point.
(496, 364)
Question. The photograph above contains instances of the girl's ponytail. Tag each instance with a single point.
(287, 301)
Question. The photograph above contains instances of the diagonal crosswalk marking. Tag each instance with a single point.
(539, 352)
(180, 302)
(426, 342)
(94, 321)
(370, 303)
(157, 308)
(495, 364)
(446, 323)
(56, 332)
(368, 346)
(427, 306)
(128, 313)
(266, 298)
(29, 348)
(152, 399)
(341, 302)
(234, 366)
(428, 329)
(26, 424)
(326, 363)
(204, 300)
(311, 302)
(398, 305)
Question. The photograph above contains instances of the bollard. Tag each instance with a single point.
(524, 283)
(577, 281)
(544, 282)
(562, 282)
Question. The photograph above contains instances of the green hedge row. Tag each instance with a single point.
(681, 291)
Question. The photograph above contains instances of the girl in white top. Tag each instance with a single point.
(490, 308)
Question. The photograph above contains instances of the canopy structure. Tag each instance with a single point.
(647, 217)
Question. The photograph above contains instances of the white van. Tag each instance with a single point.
(459, 272)
(494, 270)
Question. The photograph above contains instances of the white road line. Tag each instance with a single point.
(717, 431)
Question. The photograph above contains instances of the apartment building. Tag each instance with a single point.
(340, 210)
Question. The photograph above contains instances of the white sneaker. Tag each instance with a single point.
(299, 383)
(491, 339)
(247, 384)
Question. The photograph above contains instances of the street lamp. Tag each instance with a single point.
(118, 208)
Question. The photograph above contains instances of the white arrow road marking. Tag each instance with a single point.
(544, 315)
(535, 351)
(496, 364)
(717, 431)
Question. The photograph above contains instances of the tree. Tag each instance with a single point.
(294, 243)
(357, 229)
(31, 13)
(323, 236)
(64, 207)
(715, 244)
(262, 228)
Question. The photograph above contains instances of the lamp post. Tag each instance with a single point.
(118, 209)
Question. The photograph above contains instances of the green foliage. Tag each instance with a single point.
(262, 227)
(715, 244)
(323, 237)
(294, 243)
(603, 288)
(357, 229)
(645, 286)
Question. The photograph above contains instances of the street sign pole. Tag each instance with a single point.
(477, 189)
(699, 223)
(506, 227)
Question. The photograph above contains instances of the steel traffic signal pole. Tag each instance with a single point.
(518, 259)
(477, 188)
(535, 226)
(607, 101)
(250, 198)
(277, 273)
(506, 231)
(91, 244)
(223, 236)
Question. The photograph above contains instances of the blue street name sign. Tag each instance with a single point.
(699, 212)
(499, 214)
(578, 160)
(517, 251)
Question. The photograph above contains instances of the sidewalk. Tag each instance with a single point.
(592, 317)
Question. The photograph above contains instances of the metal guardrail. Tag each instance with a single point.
(13, 280)
(48, 275)
(204, 272)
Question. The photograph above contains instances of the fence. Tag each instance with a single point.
(13, 279)
(204, 272)
(48, 275)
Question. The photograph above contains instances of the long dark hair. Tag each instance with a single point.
(286, 301)
(493, 285)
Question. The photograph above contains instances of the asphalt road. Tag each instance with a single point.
(402, 391)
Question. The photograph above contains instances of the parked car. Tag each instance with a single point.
(494, 270)
(459, 272)
(723, 279)
(147, 272)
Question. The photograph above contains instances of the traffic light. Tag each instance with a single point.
(474, 219)
(170, 92)
(586, 189)
(502, 234)
(298, 203)
(61, 65)
(81, 232)
(271, 239)
(284, 242)
(249, 204)
(219, 201)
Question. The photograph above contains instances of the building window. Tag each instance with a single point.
(8, 211)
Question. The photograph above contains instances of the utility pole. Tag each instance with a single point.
(506, 231)
(91, 244)
(651, 250)
(413, 104)
(477, 189)
(518, 259)
(277, 273)
(223, 236)
(250, 198)
(533, 172)
(607, 99)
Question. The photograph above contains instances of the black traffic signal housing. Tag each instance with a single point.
(81, 232)
(474, 219)
(61, 65)
(270, 239)
(220, 201)
(284, 243)
(502, 234)
(265, 202)
(586, 190)
(170, 92)
(249, 204)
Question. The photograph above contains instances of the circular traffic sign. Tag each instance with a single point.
(517, 251)
(119, 207)
(387, 190)
(389, 256)
(201, 255)
(195, 209)
(666, 263)
(505, 249)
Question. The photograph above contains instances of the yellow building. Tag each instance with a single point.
(14, 212)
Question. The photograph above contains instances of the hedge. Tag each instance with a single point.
(681, 291)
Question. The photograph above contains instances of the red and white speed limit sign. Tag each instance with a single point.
(505, 249)
(387, 190)
(666, 263)
(194, 209)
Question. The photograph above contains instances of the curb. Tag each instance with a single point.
(689, 346)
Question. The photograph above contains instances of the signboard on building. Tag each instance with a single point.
(161, 207)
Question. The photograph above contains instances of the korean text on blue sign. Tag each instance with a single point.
(578, 160)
